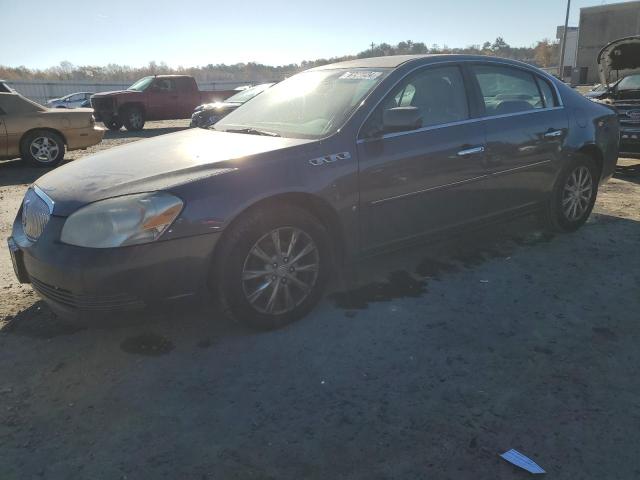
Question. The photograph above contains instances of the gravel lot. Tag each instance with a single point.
(433, 363)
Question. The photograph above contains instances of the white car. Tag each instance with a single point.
(73, 100)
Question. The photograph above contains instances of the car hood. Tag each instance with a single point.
(600, 94)
(218, 106)
(116, 93)
(154, 164)
(621, 54)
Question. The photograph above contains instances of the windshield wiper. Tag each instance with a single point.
(252, 131)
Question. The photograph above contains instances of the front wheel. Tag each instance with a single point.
(273, 267)
(113, 124)
(573, 195)
(134, 119)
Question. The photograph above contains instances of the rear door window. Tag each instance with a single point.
(507, 90)
(165, 85)
(547, 93)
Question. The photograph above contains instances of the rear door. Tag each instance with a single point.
(419, 181)
(3, 134)
(162, 99)
(525, 127)
(188, 97)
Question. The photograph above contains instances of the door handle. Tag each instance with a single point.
(553, 133)
(470, 151)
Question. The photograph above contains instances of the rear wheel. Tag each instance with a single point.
(273, 267)
(573, 196)
(42, 148)
(134, 119)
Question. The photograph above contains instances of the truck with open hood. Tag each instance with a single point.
(619, 69)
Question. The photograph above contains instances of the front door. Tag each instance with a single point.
(525, 129)
(422, 180)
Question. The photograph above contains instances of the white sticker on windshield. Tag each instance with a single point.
(360, 75)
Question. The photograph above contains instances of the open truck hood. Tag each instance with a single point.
(621, 54)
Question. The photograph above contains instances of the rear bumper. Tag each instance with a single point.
(84, 137)
(86, 283)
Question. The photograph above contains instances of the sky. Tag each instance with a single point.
(42, 33)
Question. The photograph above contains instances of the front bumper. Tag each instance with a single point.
(630, 140)
(83, 283)
(204, 118)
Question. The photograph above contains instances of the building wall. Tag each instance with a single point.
(599, 26)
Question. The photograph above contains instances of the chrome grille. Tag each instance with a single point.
(102, 302)
(35, 214)
(628, 113)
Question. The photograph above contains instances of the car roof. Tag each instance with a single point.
(395, 61)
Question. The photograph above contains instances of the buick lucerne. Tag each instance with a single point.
(336, 162)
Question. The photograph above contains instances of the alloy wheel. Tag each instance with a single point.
(44, 149)
(577, 193)
(135, 119)
(280, 271)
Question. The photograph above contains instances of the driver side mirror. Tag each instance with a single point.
(401, 119)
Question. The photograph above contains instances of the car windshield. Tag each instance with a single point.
(15, 104)
(248, 94)
(631, 82)
(311, 104)
(141, 84)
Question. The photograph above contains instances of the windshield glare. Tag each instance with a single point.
(248, 94)
(311, 104)
(630, 83)
(141, 84)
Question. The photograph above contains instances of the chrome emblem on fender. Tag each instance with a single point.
(330, 158)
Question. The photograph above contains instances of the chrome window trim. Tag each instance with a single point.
(45, 198)
(469, 120)
(461, 122)
(460, 182)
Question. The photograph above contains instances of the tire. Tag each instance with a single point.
(567, 209)
(133, 119)
(263, 290)
(42, 148)
(113, 124)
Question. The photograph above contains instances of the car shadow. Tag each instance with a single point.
(17, 172)
(387, 277)
(144, 133)
(629, 173)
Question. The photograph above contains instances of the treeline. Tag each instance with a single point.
(544, 54)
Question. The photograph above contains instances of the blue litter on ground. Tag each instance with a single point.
(518, 459)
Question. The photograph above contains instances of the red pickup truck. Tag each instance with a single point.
(161, 97)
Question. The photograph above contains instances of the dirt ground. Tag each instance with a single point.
(436, 361)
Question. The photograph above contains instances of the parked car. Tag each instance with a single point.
(5, 88)
(624, 93)
(40, 135)
(209, 113)
(161, 97)
(335, 163)
(73, 100)
(599, 91)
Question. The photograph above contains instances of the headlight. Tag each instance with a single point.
(120, 221)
